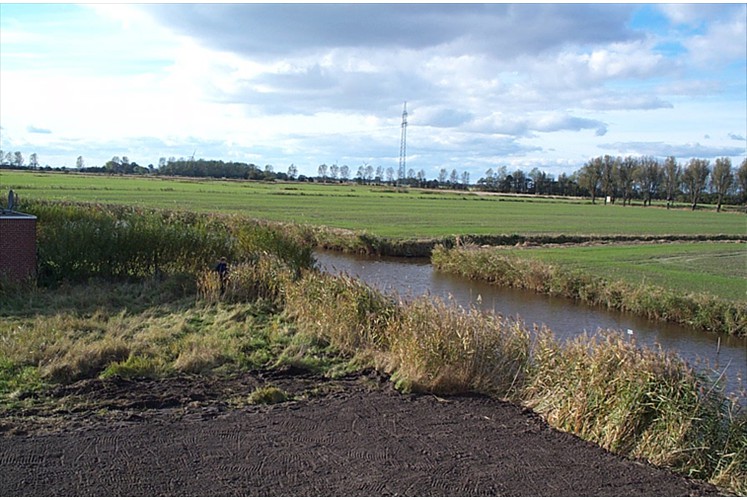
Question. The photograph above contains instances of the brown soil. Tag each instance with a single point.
(199, 436)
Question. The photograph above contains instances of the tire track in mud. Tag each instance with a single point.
(372, 442)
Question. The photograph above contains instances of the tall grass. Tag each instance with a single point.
(642, 403)
(77, 242)
(696, 310)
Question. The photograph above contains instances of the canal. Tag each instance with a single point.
(410, 278)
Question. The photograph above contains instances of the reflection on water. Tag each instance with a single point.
(414, 277)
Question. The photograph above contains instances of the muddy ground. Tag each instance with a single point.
(197, 436)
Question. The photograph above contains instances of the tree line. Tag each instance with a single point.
(612, 178)
(647, 178)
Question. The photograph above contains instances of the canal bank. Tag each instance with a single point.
(723, 357)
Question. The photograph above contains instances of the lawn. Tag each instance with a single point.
(411, 213)
(716, 268)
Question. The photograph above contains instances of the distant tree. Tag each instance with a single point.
(421, 177)
(649, 177)
(465, 179)
(344, 173)
(489, 179)
(79, 163)
(722, 179)
(269, 173)
(625, 176)
(8, 158)
(322, 171)
(695, 178)
(292, 171)
(390, 174)
(590, 175)
(607, 180)
(334, 171)
(454, 177)
(519, 181)
(411, 173)
(18, 159)
(379, 174)
(369, 173)
(34, 161)
(672, 175)
(442, 174)
(742, 179)
(2, 157)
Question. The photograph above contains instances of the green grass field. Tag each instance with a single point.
(715, 268)
(381, 211)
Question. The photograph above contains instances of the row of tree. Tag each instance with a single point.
(610, 177)
(647, 178)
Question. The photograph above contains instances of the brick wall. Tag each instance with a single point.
(17, 246)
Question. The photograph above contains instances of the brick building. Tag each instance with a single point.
(17, 245)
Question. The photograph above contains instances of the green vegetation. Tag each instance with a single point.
(713, 268)
(268, 395)
(623, 278)
(276, 311)
(381, 211)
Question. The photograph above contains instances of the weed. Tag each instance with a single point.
(134, 366)
(268, 395)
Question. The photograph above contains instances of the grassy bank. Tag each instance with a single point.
(602, 277)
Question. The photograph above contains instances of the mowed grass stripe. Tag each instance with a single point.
(382, 211)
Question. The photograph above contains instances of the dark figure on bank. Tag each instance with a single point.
(222, 270)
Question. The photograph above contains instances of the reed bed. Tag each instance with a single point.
(699, 311)
(77, 242)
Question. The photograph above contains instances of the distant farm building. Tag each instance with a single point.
(17, 245)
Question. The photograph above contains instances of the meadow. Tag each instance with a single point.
(715, 268)
(381, 211)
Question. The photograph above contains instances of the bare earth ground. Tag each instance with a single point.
(198, 436)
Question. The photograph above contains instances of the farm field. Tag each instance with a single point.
(382, 211)
(715, 268)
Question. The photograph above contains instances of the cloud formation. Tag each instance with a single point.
(486, 84)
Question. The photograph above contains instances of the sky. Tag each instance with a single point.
(486, 85)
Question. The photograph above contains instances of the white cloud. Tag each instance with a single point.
(311, 84)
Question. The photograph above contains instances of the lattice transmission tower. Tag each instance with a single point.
(403, 147)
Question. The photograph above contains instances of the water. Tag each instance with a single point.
(567, 319)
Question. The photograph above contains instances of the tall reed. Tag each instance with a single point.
(80, 241)
(640, 402)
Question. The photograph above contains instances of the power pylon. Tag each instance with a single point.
(403, 147)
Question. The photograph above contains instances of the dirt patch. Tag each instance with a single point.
(198, 436)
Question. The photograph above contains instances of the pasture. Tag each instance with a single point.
(715, 268)
(383, 211)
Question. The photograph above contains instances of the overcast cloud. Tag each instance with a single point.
(548, 85)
